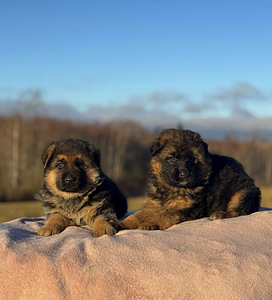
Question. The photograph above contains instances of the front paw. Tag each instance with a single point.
(105, 229)
(217, 215)
(146, 226)
(48, 230)
(121, 225)
(101, 227)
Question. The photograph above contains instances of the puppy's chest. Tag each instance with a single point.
(82, 211)
(178, 203)
(72, 205)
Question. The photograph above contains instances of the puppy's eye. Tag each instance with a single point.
(171, 158)
(60, 165)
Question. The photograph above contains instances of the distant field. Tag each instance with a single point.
(267, 196)
(14, 210)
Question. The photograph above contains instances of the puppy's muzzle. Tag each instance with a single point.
(69, 179)
(70, 182)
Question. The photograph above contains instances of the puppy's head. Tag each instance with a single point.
(180, 158)
(71, 167)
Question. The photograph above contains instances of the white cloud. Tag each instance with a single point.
(135, 112)
(160, 109)
(239, 91)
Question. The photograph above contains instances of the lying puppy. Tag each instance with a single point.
(76, 192)
(187, 182)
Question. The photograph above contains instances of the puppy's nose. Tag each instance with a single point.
(184, 173)
(69, 178)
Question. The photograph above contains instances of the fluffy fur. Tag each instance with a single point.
(76, 191)
(187, 182)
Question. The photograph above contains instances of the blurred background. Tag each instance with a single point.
(116, 73)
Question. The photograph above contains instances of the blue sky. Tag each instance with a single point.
(189, 59)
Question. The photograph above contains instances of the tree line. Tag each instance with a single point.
(124, 153)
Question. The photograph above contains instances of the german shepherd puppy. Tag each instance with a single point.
(76, 191)
(187, 182)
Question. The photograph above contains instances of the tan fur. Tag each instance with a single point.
(130, 222)
(156, 167)
(55, 224)
(93, 175)
(217, 215)
(148, 219)
(62, 157)
(232, 208)
(179, 203)
(233, 214)
(51, 183)
(235, 201)
(154, 216)
(101, 227)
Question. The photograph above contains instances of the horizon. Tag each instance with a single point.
(241, 126)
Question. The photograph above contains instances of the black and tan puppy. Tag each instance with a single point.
(76, 192)
(187, 182)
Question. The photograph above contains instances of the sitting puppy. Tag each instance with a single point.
(76, 192)
(187, 182)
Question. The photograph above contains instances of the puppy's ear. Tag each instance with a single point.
(47, 154)
(95, 153)
(157, 145)
(198, 139)
(165, 136)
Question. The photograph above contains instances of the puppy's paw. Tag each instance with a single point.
(217, 215)
(126, 224)
(104, 229)
(145, 226)
(48, 230)
(55, 224)
(101, 226)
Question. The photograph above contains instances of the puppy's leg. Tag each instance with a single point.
(242, 203)
(101, 226)
(55, 224)
(229, 214)
(142, 219)
(130, 222)
(148, 219)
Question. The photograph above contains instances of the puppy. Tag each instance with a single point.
(76, 191)
(187, 182)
